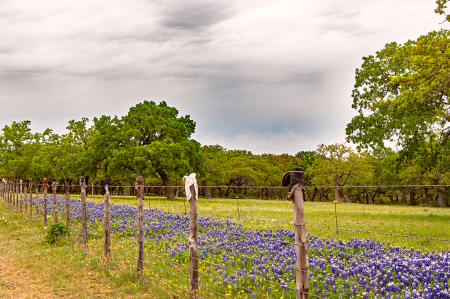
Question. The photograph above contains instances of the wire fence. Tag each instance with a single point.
(238, 256)
(392, 194)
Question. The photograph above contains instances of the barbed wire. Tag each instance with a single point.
(89, 187)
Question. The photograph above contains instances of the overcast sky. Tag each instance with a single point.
(265, 76)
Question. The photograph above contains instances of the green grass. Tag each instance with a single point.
(66, 260)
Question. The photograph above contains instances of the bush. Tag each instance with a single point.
(56, 231)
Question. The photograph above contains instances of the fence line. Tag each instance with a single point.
(265, 187)
(7, 192)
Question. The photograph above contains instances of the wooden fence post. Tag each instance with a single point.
(15, 194)
(139, 188)
(20, 197)
(193, 243)
(107, 222)
(106, 217)
(301, 244)
(66, 190)
(36, 182)
(25, 196)
(237, 202)
(83, 212)
(55, 201)
(294, 179)
(45, 201)
(30, 185)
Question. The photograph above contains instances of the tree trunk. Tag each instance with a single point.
(404, 197)
(358, 196)
(177, 192)
(336, 189)
(313, 195)
(208, 191)
(412, 198)
(369, 197)
(336, 194)
(166, 183)
(325, 195)
(441, 190)
(347, 200)
(391, 197)
(425, 199)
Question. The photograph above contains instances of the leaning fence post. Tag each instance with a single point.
(139, 188)
(55, 201)
(106, 220)
(294, 179)
(83, 211)
(45, 201)
(191, 184)
(36, 182)
(66, 190)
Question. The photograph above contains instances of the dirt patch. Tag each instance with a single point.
(16, 282)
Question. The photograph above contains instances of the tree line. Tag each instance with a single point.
(152, 140)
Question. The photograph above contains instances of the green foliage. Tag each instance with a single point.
(401, 96)
(338, 165)
(442, 4)
(55, 232)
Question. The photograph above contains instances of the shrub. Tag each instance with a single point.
(56, 231)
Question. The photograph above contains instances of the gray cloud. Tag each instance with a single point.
(267, 76)
(195, 15)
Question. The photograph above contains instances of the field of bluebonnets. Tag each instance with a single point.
(250, 253)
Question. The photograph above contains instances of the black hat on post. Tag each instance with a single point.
(293, 178)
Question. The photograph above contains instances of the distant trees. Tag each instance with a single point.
(152, 140)
(338, 165)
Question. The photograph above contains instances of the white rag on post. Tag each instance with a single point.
(191, 180)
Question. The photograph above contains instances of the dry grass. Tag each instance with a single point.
(29, 268)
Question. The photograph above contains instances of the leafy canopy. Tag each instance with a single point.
(401, 95)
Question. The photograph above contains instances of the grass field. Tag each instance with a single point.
(51, 269)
